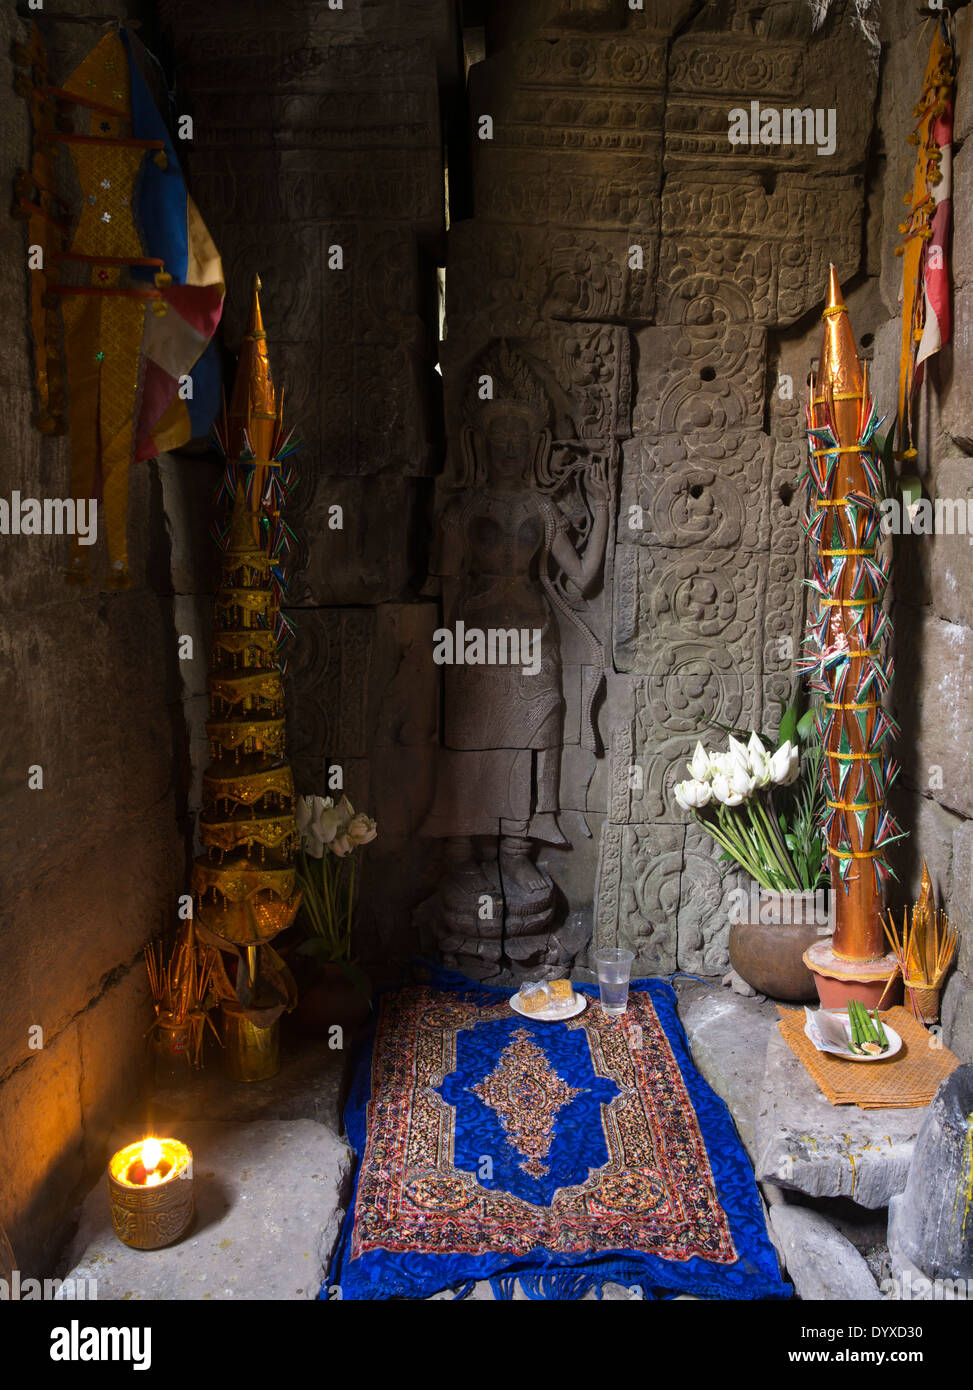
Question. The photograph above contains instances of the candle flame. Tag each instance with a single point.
(151, 1156)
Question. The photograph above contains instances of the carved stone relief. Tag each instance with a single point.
(699, 377)
(738, 250)
(638, 891)
(705, 489)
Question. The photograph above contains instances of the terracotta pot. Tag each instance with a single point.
(834, 994)
(330, 999)
(768, 938)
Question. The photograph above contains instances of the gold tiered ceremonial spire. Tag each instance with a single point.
(245, 883)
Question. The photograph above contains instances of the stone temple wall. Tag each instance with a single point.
(92, 861)
(610, 133)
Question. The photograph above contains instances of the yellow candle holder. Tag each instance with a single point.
(148, 1215)
(250, 1053)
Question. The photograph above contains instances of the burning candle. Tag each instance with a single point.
(150, 1184)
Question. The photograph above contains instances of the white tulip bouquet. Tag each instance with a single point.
(330, 835)
(732, 796)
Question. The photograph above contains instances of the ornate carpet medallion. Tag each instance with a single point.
(527, 1095)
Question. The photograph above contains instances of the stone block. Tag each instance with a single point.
(502, 279)
(933, 662)
(551, 95)
(883, 369)
(637, 893)
(751, 249)
(327, 689)
(43, 1144)
(703, 920)
(97, 772)
(189, 489)
(928, 1221)
(956, 1012)
(820, 1261)
(113, 1057)
(930, 838)
(359, 555)
(951, 560)
(308, 1086)
(66, 932)
(961, 259)
(707, 604)
(539, 188)
(806, 1143)
(956, 403)
(193, 619)
(696, 491)
(404, 680)
(728, 1036)
(269, 1199)
(712, 74)
(960, 905)
(706, 377)
(963, 105)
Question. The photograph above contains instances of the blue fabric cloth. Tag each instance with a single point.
(524, 1117)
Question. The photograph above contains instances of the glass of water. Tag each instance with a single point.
(614, 966)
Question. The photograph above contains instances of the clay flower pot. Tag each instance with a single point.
(769, 933)
(333, 997)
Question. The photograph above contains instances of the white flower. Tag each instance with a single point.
(724, 793)
(759, 761)
(692, 795)
(784, 764)
(738, 753)
(721, 764)
(755, 748)
(741, 781)
(309, 815)
(701, 766)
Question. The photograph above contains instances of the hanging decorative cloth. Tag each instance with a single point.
(104, 315)
(925, 250)
(135, 325)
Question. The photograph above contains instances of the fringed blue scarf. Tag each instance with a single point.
(563, 1155)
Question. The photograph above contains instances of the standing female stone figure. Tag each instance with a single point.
(503, 723)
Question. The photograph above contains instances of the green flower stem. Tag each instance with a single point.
(727, 837)
(778, 849)
(351, 900)
(328, 902)
(756, 848)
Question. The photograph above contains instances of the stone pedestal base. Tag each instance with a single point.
(489, 934)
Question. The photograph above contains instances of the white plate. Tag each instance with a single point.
(895, 1042)
(547, 1015)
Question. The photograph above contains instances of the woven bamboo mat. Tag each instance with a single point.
(909, 1079)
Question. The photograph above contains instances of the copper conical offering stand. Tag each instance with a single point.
(846, 660)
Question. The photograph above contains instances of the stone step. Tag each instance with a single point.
(269, 1202)
(806, 1143)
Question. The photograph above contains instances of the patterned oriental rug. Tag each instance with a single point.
(564, 1155)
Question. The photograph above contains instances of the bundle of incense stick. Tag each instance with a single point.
(924, 950)
(180, 988)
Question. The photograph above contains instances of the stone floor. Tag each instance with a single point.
(278, 1171)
